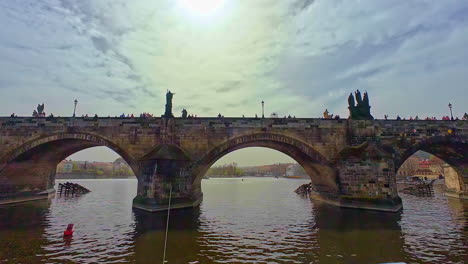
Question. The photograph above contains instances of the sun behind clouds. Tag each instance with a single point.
(202, 7)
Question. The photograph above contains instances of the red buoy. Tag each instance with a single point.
(69, 231)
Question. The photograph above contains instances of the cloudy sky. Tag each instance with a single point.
(225, 56)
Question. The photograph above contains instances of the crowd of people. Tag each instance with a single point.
(326, 115)
(465, 117)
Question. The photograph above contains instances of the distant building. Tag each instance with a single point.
(424, 173)
(424, 168)
(66, 166)
(409, 167)
(295, 171)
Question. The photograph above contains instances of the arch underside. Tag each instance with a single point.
(31, 167)
(322, 175)
(453, 151)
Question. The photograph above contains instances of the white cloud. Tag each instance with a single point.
(299, 56)
(403, 52)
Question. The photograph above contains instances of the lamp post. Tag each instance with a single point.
(450, 107)
(74, 109)
(263, 109)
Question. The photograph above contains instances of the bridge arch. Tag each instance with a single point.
(79, 141)
(317, 166)
(453, 149)
(31, 166)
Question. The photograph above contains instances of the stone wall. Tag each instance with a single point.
(351, 161)
(452, 180)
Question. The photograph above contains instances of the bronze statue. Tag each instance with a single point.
(168, 113)
(169, 96)
(184, 113)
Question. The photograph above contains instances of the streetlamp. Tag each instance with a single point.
(74, 109)
(450, 107)
(263, 109)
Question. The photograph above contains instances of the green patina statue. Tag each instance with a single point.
(361, 111)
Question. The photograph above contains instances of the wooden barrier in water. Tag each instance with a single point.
(421, 189)
(304, 189)
(69, 188)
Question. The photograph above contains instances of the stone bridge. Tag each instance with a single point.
(351, 163)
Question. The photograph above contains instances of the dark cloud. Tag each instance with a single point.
(460, 15)
(229, 86)
(300, 5)
(125, 96)
(238, 103)
(146, 91)
(65, 47)
(124, 59)
(369, 73)
(134, 77)
(75, 89)
(313, 74)
(206, 109)
(101, 44)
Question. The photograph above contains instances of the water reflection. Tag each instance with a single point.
(250, 221)
(182, 243)
(358, 236)
(22, 231)
(434, 229)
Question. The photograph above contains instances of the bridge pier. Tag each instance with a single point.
(163, 178)
(455, 182)
(23, 181)
(367, 179)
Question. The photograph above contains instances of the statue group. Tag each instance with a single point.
(361, 110)
(40, 111)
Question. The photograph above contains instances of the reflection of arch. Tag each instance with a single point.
(314, 163)
(48, 151)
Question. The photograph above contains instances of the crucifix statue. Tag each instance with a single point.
(168, 112)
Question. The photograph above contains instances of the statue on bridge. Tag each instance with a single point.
(184, 113)
(168, 113)
(358, 97)
(351, 100)
(361, 111)
(40, 111)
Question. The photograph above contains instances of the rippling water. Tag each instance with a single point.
(257, 220)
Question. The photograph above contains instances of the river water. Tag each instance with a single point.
(255, 220)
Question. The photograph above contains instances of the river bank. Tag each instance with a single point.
(85, 175)
(250, 176)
